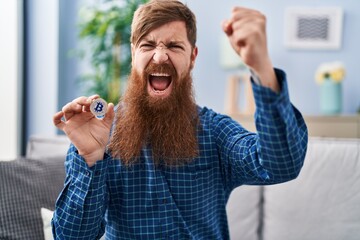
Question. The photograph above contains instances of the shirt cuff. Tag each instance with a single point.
(81, 173)
(267, 99)
(255, 78)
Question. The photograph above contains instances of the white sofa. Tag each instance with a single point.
(323, 203)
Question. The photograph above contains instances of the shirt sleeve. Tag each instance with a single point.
(80, 207)
(272, 155)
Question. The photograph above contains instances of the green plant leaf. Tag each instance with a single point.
(107, 32)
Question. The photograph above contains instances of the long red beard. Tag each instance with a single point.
(167, 125)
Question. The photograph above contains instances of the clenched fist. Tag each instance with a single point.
(246, 30)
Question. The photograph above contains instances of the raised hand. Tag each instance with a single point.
(246, 30)
(89, 134)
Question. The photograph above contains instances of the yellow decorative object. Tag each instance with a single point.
(334, 71)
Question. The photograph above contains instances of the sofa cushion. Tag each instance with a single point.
(243, 212)
(27, 185)
(46, 216)
(47, 146)
(324, 202)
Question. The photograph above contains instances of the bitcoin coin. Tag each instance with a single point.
(98, 107)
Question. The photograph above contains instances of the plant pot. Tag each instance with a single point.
(330, 97)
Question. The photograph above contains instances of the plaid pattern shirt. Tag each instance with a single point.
(145, 201)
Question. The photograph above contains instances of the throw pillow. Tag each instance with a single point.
(27, 185)
(46, 216)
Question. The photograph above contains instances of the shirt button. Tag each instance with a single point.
(87, 173)
(77, 210)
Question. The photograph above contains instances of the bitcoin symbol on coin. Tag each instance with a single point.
(99, 107)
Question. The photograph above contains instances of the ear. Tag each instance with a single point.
(193, 57)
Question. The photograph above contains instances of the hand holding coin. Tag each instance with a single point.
(89, 135)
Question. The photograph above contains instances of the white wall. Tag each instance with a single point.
(8, 79)
(300, 65)
(42, 45)
(209, 77)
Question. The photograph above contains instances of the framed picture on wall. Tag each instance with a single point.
(313, 27)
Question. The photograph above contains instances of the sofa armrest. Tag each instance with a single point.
(323, 202)
(47, 146)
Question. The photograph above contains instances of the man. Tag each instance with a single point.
(164, 167)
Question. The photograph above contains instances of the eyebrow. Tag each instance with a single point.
(171, 42)
(152, 42)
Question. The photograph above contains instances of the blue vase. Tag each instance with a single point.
(330, 97)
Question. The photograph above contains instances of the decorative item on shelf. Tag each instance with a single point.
(238, 80)
(329, 77)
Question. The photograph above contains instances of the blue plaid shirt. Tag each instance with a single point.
(145, 201)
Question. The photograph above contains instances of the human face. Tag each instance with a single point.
(166, 45)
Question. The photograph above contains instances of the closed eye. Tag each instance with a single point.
(175, 46)
(147, 46)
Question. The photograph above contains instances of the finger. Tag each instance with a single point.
(57, 120)
(91, 98)
(238, 12)
(243, 30)
(227, 27)
(86, 107)
(110, 114)
(238, 8)
(85, 101)
(70, 109)
(249, 26)
(75, 107)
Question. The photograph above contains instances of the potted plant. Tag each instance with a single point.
(329, 77)
(106, 29)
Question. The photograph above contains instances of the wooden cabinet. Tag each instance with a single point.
(339, 126)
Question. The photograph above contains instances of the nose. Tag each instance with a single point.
(160, 55)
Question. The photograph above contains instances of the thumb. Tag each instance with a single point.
(227, 27)
(110, 114)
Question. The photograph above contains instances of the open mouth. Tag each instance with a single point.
(159, 84)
